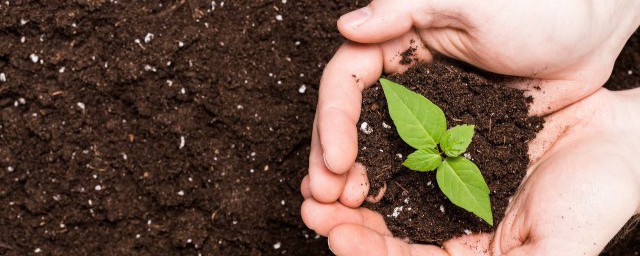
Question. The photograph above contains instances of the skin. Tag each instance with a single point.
(514, 38)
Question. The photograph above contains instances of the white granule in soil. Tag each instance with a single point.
(386, 126)
(302, 89)
(148, 38)
(396, 212)
(182, 142)
(34, 58)
(3, 77)
(365, 128)
(442, 208)
(277, 245)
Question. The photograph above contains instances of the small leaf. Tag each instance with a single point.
(419, 122)
(461, 181)
(423, 160)
(456, 140)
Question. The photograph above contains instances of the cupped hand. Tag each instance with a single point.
(582, 187)
(567, 48)
(571, 44)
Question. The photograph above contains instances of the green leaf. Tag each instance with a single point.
(456, 140)
(461, 181)
(423, 160)
(419, 122)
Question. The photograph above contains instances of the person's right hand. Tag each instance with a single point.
(569, 47)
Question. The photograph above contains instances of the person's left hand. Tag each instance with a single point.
(583, 185)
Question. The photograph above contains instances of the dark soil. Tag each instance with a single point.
(626, 72)
(413, 205)
(91, 161)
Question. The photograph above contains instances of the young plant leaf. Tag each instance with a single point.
(455, 141)
(423, 160)
(419, 122)
(461, 181)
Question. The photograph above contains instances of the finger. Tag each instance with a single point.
(550, 96)
(353, 68)
(476, 244)
(403, 52)
(324, 217)
(383, 20)
(325, 186)
(356, 187)
(305, 190)
(557, 126)
(352, 239)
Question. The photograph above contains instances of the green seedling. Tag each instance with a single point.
(423, 126)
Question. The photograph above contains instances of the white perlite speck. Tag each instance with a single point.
(148, 38)
(302, 89)
(399, 155)
(181, 193)
(442, 208)
(80, 105)
(10, 169)
(277, 245)
(34, 58)
(3, 77)
(364, 127)
(386, 126)
(282, 202)
(180, 44)
(61, 70)
(468, 232)
(37, 250)
(467, 156)
(182, 142)
(98, 188)
(630, 72)
(396, 211)
(279, 17)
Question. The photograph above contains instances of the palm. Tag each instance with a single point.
(573, 194)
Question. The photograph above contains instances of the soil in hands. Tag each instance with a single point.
(413, 205)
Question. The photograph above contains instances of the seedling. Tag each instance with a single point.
(423, 126)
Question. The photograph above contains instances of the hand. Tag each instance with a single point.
(569, 49)
(583, 185)
(573, 43)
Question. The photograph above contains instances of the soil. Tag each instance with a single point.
(159, 127)
(413, 205)
(93, 116)
(626, 72)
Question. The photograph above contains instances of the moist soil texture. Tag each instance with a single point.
(159, 127)
(413, 205)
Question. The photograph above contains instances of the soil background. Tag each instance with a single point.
(161, 127)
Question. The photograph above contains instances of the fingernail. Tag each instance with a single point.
(329, 245)
(357, 17)
(324, 157)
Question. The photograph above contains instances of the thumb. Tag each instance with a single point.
(383, 20)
